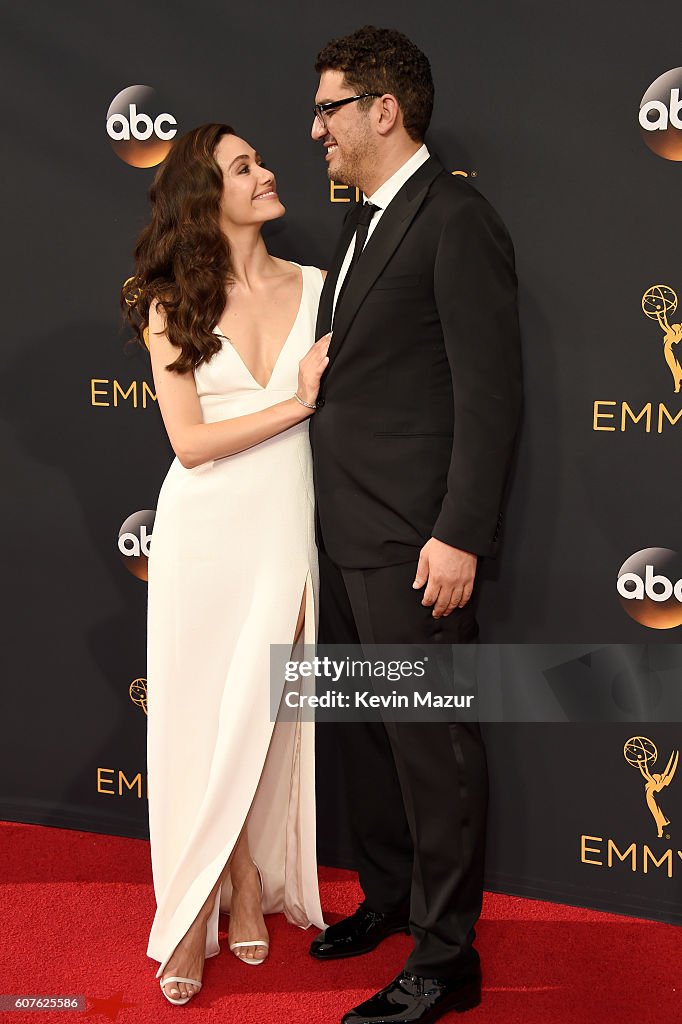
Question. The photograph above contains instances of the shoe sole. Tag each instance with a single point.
(466, 999)
(360, 952)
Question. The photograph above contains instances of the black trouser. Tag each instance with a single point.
(417, 791)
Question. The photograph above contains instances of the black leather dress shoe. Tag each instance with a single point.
(411, 999)
(360, 933)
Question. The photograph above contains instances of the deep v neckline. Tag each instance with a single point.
(284, 343)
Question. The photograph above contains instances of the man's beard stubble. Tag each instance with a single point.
(351, 168)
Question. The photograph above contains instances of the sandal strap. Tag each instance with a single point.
(175, 977)
(255, 942)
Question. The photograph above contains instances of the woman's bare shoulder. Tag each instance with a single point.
(289, 267)
(286, 267)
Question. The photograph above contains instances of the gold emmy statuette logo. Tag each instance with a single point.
(657, 302)
(641, 753)
(130, 296)
(138, 693)
(612, 415)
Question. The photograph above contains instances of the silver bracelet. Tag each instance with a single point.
(306, 404)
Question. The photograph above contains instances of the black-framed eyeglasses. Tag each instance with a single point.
(322, 108)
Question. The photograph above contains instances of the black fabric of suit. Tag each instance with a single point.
(417, 791)
(412, 438)
(419, 404)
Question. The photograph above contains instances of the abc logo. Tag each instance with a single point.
(139, 130)
(660, 115)
(650, 587)
(134, 540)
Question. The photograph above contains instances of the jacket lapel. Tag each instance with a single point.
(324, 312)
(383, 242)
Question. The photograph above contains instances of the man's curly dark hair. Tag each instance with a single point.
(382, 60)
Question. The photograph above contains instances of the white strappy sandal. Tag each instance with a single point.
(188, 981)
(252, 942)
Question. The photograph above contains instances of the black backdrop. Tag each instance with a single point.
(538, 103)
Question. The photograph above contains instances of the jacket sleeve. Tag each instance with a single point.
(476, 294)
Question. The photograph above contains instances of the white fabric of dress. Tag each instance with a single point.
(232, 554)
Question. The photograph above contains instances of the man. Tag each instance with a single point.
(412, 439)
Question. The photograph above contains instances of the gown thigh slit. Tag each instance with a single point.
(232, 557)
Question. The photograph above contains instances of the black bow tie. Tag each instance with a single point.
(366, 213)
(362, 229)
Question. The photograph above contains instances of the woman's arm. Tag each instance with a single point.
(195, 442)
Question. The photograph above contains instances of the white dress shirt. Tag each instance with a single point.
(381, 198)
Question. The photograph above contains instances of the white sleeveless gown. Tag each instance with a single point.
(231, 556)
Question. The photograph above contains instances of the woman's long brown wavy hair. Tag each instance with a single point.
(182, 257)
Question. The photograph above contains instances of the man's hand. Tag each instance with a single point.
(449, 574)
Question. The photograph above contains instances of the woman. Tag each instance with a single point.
(232, 566)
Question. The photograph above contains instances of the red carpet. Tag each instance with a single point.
(77, 908)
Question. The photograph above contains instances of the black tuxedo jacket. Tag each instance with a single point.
(418, 407)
